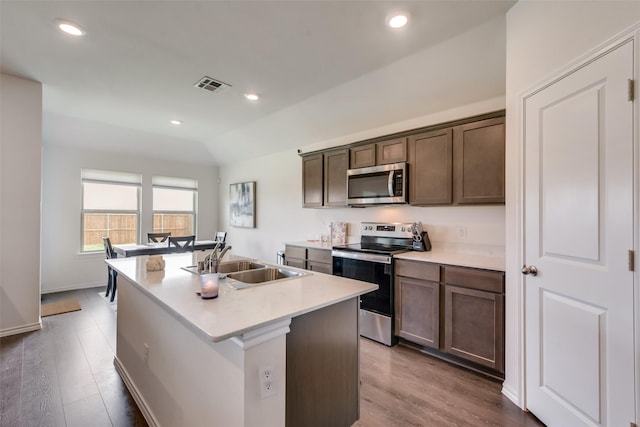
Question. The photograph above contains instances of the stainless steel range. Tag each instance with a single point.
(371, 260)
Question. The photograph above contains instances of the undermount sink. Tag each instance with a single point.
(244, 279)
(233, 266)
(228, 267)
(245, 273)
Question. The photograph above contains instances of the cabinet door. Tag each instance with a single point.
(363, 156)
(430, 169)
(474, 326)
(418, 311)
(312, 181)
(478, 153)
(392, 151)
(336, 164)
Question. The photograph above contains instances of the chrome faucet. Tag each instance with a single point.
(212, 260)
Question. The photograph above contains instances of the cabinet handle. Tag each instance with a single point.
(530, 270)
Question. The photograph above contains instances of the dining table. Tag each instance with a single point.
(134, 249)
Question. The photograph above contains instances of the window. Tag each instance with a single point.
(174, 205)
(110, 208)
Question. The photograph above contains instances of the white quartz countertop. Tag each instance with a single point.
(313, 244)
(235, 311)
(437, 256)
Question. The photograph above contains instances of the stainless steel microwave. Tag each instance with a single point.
(377, 185)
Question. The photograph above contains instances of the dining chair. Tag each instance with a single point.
(182, 243)
(158, 237)
(221, 236)
(112, 275)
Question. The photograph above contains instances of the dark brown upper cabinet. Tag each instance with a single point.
(336, 164)
(363, 156)
(458, 162)
(478, 162)
(312, 181)
(379, 153)
(324, 179)
(391, 151)
(430, 167)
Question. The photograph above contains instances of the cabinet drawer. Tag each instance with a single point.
(320, 267)
(319, 255)
(491, 281)
(297, 263)
(295, 252)
(418, 270)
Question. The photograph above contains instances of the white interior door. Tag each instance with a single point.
(578, 231)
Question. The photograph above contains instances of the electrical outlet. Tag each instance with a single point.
(462, 233)
(267, 382)
(145, 355)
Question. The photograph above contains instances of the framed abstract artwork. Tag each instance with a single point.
(242, 204)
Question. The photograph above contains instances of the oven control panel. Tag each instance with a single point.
(396, 229)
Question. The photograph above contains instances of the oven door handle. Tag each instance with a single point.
(381, 259)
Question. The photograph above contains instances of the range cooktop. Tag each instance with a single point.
(381, 238)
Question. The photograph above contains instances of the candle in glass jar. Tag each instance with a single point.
(209, 285)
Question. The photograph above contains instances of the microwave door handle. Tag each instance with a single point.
(390, 183)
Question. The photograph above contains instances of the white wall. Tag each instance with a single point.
(20, 158)
(63, 266)
(542, 38)
(280, 217)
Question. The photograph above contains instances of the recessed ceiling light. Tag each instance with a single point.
(398, 20)
(70, 28)
(252, 96)
(176, 122)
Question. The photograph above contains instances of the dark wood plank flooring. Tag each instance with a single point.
(63, 375)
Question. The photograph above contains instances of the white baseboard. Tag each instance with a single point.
(146, 412)
(73, 288)
(513, 397)
(21, 329)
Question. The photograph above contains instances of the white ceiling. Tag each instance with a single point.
(323, 69)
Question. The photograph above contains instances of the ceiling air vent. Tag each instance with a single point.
(212, 85)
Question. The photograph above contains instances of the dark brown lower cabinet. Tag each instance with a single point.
(474, 326)
(312, 259)
(295, 256)
(418, 314)
(456, 313)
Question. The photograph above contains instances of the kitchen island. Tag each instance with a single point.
(274, 354)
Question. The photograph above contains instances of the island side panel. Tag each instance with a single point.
(323, 367)
(183, 379)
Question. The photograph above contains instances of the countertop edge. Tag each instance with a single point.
(484, 262)
(207, 335)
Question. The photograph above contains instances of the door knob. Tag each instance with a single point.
(532, 270)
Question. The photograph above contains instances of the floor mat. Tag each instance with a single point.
(60, 307)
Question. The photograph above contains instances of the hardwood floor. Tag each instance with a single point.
(63, 375)
(402, 387)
